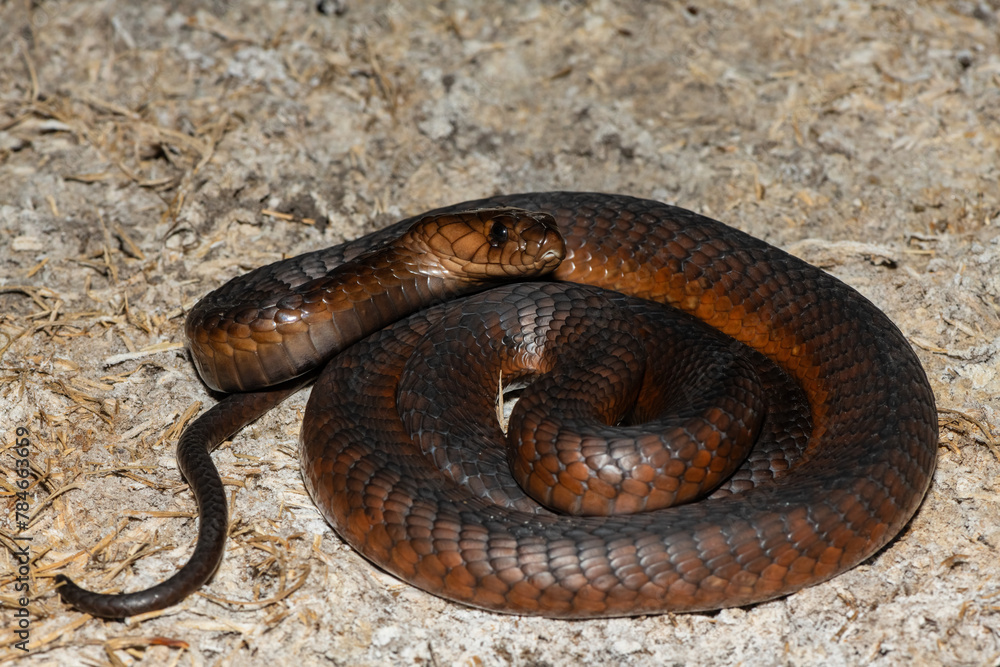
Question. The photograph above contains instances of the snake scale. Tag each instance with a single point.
(403, 453)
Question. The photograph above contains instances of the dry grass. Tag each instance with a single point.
(149, 152)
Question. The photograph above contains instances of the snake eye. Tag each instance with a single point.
(498, 234)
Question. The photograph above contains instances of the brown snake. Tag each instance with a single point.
(837, 406)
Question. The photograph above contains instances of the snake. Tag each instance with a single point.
(614, 488)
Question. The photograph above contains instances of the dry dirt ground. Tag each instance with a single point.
(149, 151)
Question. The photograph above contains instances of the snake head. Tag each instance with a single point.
(487, 244)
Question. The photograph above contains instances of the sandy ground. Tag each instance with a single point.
(148, 152)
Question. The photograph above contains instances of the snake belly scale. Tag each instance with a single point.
(845, 430)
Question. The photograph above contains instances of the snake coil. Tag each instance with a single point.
(826, 390)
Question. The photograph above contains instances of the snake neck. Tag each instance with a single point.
(237, 347)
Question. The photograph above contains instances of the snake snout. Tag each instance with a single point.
(543, 242)
(551, 251)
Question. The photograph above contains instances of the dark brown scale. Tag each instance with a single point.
(845, 453)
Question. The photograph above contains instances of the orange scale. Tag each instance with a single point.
(430, 567)
(802, 565)
(572, 485)
(643, 473)
(635, 487)
(773, 573)
(602, 488)
(577, 471)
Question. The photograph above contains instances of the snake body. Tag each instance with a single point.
(845, 425)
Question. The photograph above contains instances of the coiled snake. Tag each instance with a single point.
(822, 385)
